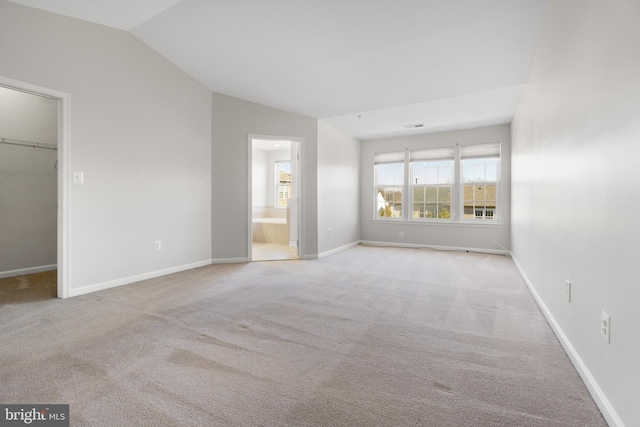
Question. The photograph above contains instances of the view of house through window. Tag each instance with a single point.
(433, 179)
(431, 182)
(431, 189)
(480, 178)
(389, 178)
(283, 183)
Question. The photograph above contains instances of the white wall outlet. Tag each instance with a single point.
(605, 327)
(567, 289)
(401, 234)
(329, 232)
(78, 178)
(157, 245)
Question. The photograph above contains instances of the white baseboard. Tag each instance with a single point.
(132, 279)
(30, 270)
(434, 247)
(608, 412)
(340, 249)
(229, 260)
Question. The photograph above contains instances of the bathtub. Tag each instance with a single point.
(270, 230)
(269, 220)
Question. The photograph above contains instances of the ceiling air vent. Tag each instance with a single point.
(417, 125)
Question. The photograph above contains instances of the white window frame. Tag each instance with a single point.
(481, 152)
(432, 155)
(288, 187)
(396, 157)
(490, 215)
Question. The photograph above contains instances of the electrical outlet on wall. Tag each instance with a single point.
(605, 326)
(567, 289)
(78, 178)
(157, 245)
(401, 234)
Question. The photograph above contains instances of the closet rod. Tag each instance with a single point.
(21, 142)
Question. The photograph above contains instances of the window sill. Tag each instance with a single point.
(431, 223)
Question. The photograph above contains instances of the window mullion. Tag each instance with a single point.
(456, 193)
(406, 202)
(496, 209)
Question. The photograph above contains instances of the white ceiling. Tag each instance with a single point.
(448, 64)
(121, 14)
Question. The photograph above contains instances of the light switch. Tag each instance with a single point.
(78, 178)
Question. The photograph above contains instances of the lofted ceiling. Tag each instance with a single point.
(366, 67)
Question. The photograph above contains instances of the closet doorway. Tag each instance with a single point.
(31, 172)
(274, 226)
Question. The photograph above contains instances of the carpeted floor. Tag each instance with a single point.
(366, 337)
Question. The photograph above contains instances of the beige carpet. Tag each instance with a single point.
(366, 337)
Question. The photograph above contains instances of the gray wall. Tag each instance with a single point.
(263, 172)
(259, 172)
(338, 189)
(575, 167)
(474, 236)
(28, 184)
(140, 132)
(233, 121)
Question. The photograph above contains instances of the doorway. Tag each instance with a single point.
(34, 143)
(274, 226)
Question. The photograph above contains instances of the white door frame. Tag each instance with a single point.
(63, 174)
(300, 194)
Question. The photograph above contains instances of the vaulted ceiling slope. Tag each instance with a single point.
(445, 64)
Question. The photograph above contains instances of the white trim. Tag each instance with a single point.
(25, 271)
(133, 279)
(457, 186)
(434, 247)
(309, 257)
(249, 197)
(229, 260)
(299, 143)
(608, 412)
(64, 157)
(441, 222)
(339, 249)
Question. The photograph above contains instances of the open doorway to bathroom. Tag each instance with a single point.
(275, 208)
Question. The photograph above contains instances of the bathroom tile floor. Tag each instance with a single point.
(272, 252)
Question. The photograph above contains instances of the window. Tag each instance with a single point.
(480, 180)
(431, 183)
(389, 185)
(443, 184)
(283, 183)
